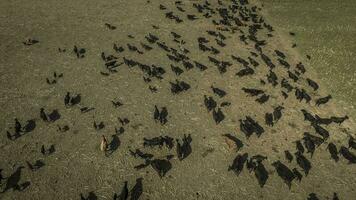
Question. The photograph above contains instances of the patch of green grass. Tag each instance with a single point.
(326, 31)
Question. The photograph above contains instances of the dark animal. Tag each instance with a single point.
(54, 116)
(192, 17)
(184, 149)
(146, 47)
(86, 109)
(1, 176)
(139, 153)
(203, 48)
(238, 163)
(159, 141)
(118, 49)
(30, 42)
(144, 165)
(119, 131)
(214, 60)
(285, 84)
(252, 92)
(114, 144)
(156, 113)
(261, 174)
(129, 62)
(30, 126)
(323, 100)
(137, 190)
(225, 103)
(299, 147)
(339, 120)
(179, 86)
(352, 142)
(200, 66)
(178, 71)
(277, 113)
(293, 76)
(175, 35)
(321, 131)
(221, 93)
(333, 151)
(202, 40)
(71, 100)
(43, 115)
(280, 54)
(320, 120)
(347, 155)
(110, 27)
(237, 142)
(317, 140)
(116, 104)
(12, 182)
(212, 33)
(297, 174)
(240, 60)
(48, 151)
(309, 145)
(220, 43)
(163, 46)
(209, 103)
(151, 38)
(218, 115)
(188, 65)
(18, 126)
(222, 67)
(272, 78)
(79, 52)
(245, 72)
(284, 172)
(162, 7)
(269, 119)
(284, 63)
(161, 116)
(302, 94)
(288, 156)
(303, 162)
(253, 62)
(268, 61)
(301, 68)
(307, 116)
(98, 126)
(214, 50)
(335, 197)
(161, 166)
(33, 167)
(173, 58)
(313, 84)
(249, 126)
(312, 196)
(67, 99)
(124, 194)
(263, 99)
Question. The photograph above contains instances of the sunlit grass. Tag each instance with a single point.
(326, 31)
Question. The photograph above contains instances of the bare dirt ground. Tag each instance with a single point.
(77, 164)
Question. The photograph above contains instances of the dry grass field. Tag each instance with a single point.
(228, 46)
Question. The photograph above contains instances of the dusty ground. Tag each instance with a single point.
(78, 166)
